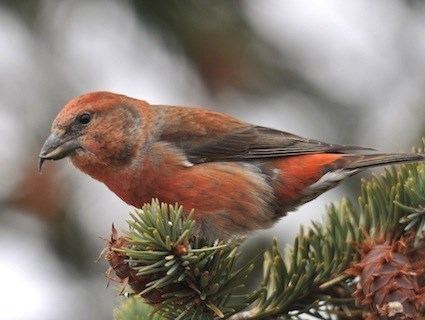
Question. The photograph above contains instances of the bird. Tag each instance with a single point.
(236, 176)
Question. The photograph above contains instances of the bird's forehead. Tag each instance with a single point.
(91, 102)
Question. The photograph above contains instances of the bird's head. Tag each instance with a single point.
(96, 129)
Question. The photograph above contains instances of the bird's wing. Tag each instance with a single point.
(253, 142)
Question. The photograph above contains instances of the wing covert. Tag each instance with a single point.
(255, 142)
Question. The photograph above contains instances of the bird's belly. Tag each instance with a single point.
(231, 198)
(227, 198)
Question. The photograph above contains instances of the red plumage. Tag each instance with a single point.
(237, 176)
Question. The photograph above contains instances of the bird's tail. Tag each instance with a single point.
(374, 160)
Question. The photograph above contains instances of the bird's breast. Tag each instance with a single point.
(227, 197)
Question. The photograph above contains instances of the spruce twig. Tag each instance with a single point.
(182, 276)
(193, 279)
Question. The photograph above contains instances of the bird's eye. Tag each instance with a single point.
(84, 118)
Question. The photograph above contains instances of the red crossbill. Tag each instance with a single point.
(237, 176)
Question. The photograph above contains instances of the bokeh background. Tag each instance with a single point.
(350, 72)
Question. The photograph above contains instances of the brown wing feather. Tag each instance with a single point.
(256, 142)
(206, 136)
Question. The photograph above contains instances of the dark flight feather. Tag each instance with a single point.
(255, 142)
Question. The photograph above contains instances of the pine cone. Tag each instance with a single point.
(388, 284)
(126, 275)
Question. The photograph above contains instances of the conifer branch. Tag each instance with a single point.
(325, 274)
(183, 276)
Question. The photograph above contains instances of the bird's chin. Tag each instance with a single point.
(83, 159)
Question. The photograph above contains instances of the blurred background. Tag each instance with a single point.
(349, 72)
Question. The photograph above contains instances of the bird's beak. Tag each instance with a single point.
(56, 147)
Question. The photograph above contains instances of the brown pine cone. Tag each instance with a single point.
(123, 272)
(388, 285)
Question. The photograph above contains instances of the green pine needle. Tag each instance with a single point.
(197, 279)
(301, 281)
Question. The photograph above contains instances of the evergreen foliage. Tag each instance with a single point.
(194, 279)
(201, 280)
